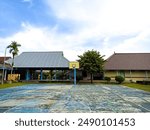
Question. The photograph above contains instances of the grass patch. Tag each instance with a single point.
(131, 85)
(8, 85)
(138, 86)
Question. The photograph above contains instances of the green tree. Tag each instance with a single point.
(13, 49)
(91, 62)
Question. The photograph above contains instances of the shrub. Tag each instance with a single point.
(143, 82)
(107, 79)
(119, 79)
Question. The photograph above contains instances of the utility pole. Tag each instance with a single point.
(2, 82)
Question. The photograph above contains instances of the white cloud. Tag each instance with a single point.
(49, 39)
(76, 10)
(138, 43)
(97, 22)
(105, 16)
(108, 18)
(44, 39)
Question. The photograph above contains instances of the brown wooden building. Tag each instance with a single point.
(132, 66)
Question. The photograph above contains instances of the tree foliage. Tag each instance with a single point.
(13, 49)
(92, 62)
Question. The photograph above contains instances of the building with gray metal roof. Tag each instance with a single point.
(41, 60)
(28, 64)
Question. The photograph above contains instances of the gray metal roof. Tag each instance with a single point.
(40, 60)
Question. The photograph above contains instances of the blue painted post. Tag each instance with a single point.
(27, 75)
(74, 76)
(41, 77)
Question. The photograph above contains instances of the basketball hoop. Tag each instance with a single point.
(73, 66)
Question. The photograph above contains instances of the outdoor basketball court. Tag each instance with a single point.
(46, 98)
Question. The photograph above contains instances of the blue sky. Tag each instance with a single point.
(75, 26)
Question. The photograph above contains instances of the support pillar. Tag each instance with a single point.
(27, 74)
(50, 74)
(69, 75)
(130, 74)
(117, 73)
(146, 75)
(5, 75)
(55, 74)
(41, 75)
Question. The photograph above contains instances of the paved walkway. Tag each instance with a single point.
(67, 98)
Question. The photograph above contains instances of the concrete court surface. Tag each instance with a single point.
(47, 98)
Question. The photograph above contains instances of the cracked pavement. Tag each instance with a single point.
(50, 98)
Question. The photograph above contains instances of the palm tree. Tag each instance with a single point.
(13, 49)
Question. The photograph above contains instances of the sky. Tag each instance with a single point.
(76, 26)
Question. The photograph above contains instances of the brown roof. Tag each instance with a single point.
(2, 59)
(128, 61)
(8, 66)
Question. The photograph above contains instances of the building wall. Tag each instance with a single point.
(111, 74)
(129, 75)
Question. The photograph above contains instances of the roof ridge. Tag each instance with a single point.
(110, 56)
(43, 52)
(133, 53)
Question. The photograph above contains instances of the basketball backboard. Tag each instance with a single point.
(74, 64)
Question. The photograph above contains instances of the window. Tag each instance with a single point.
(121, 73)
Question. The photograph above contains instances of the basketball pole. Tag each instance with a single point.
(74, 66)
(74, 75)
